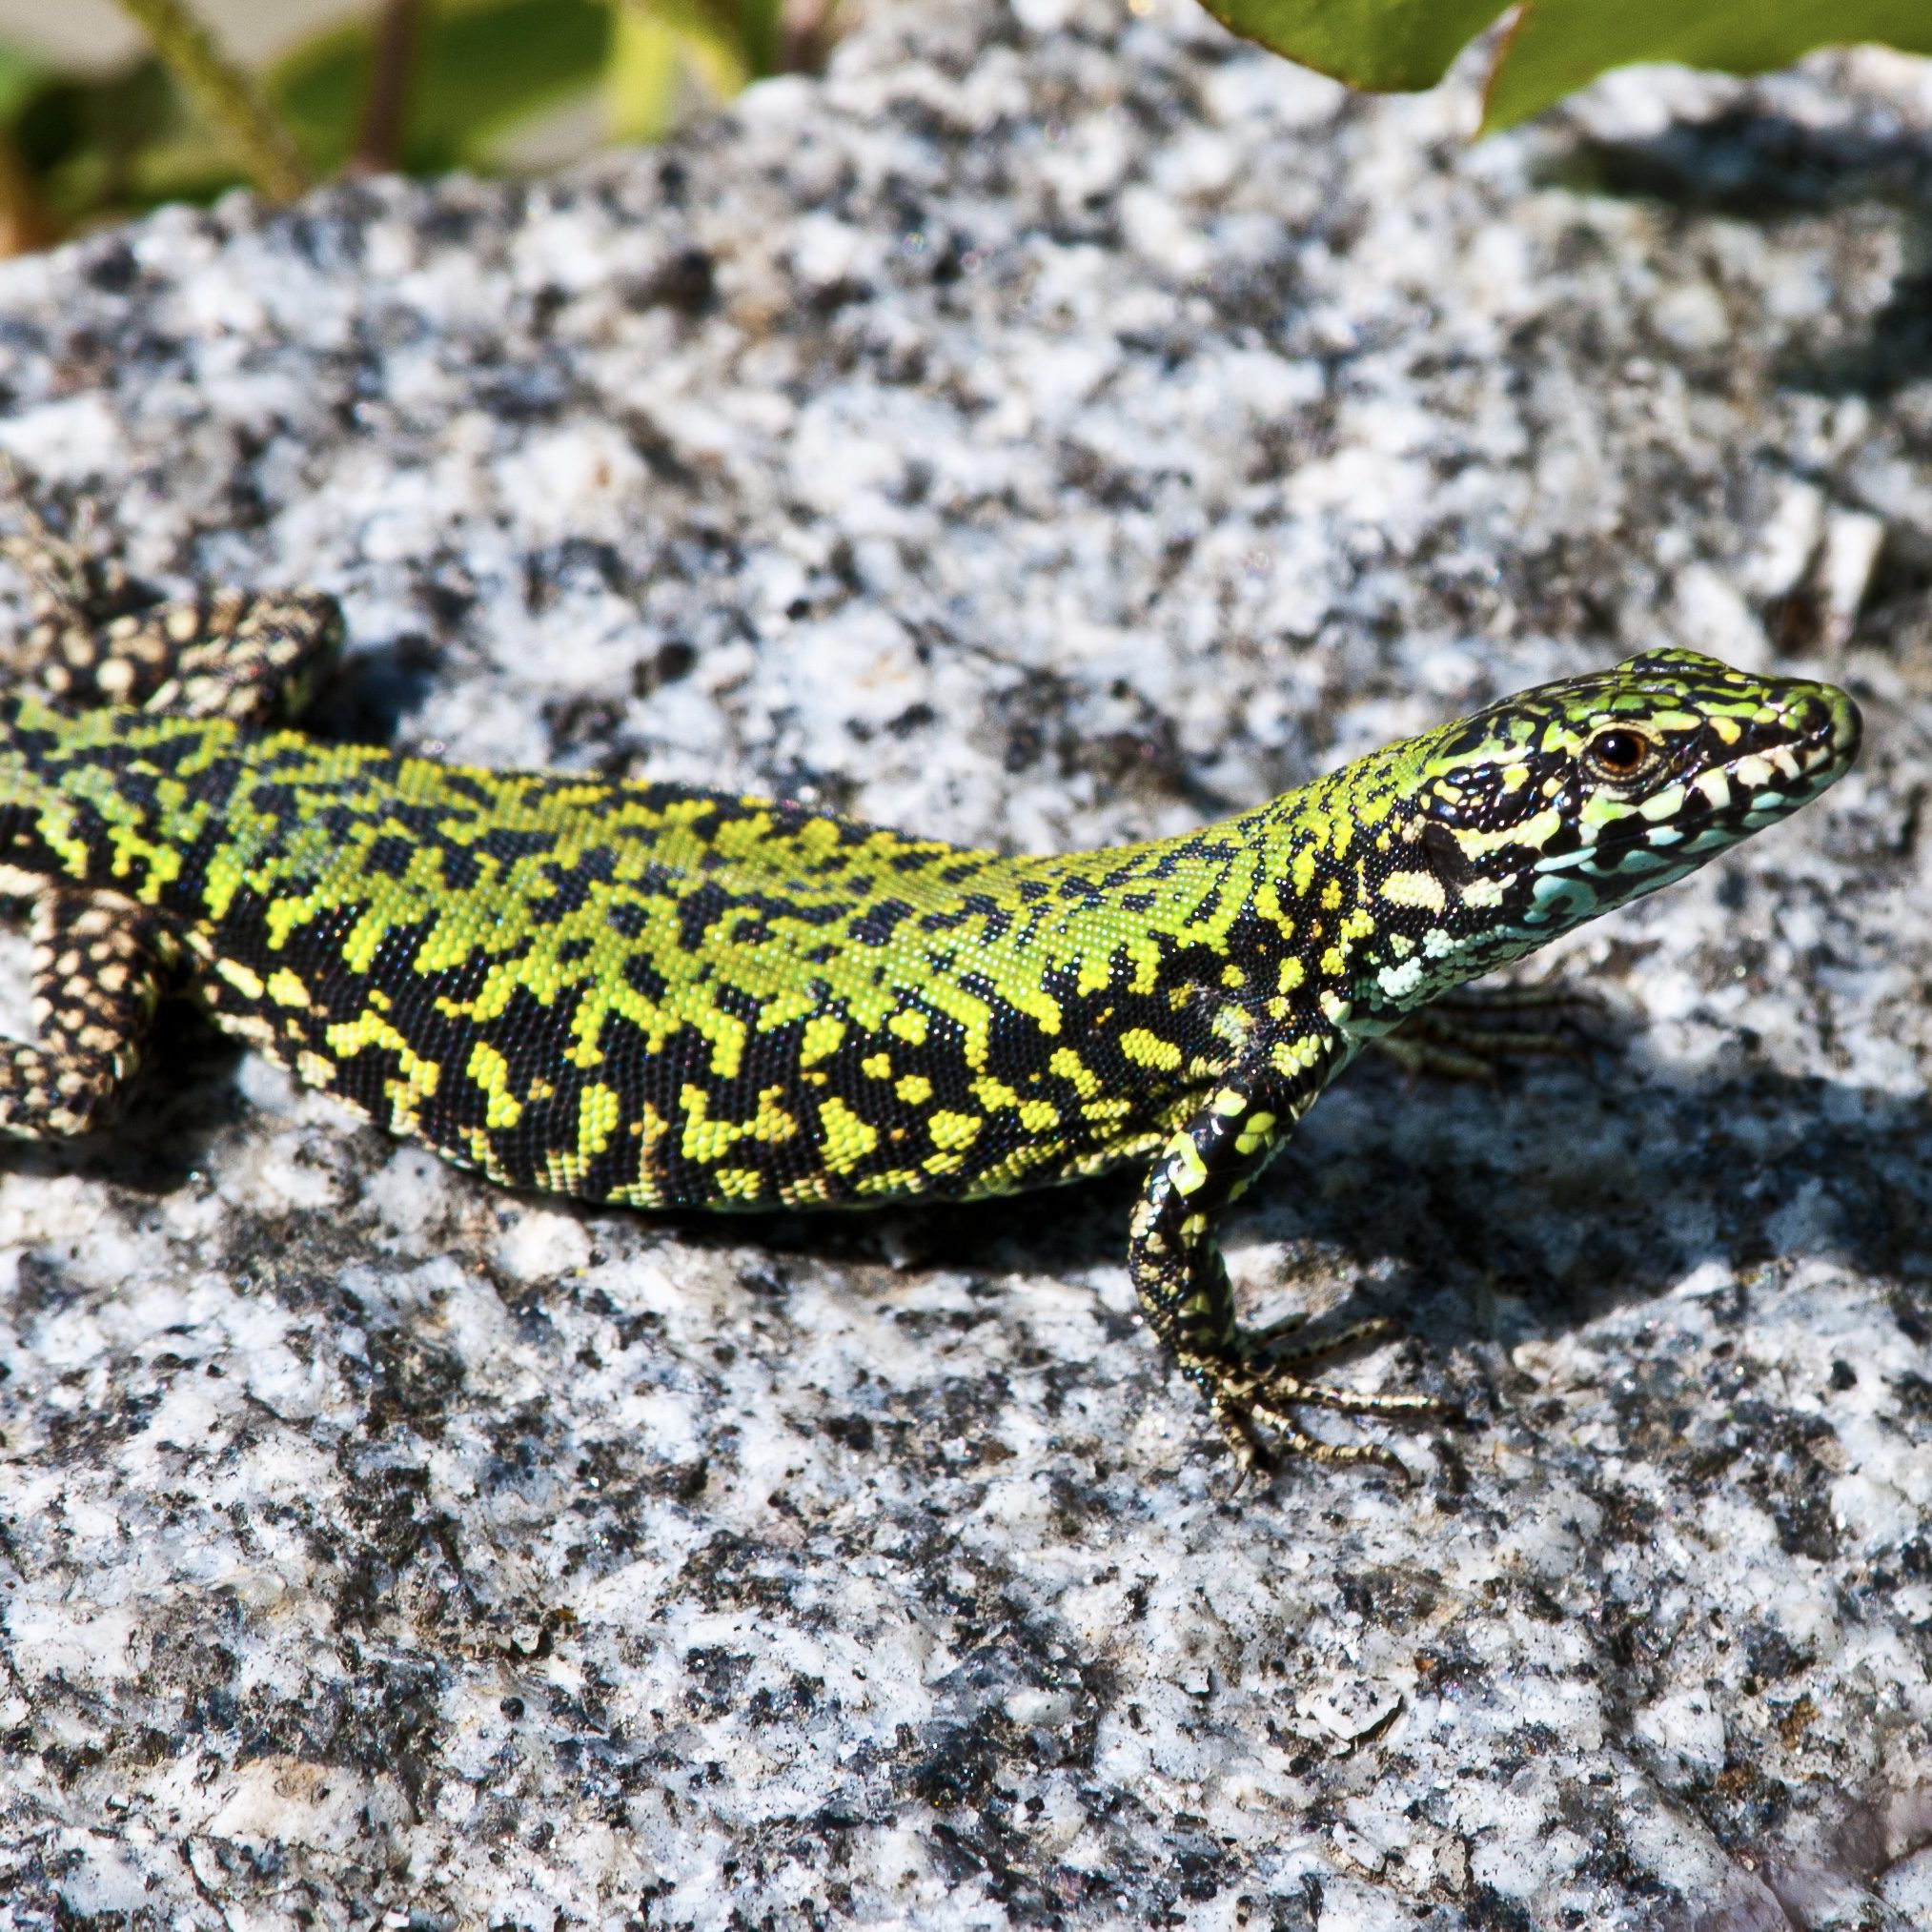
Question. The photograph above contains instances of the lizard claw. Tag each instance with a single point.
(1261, 1386)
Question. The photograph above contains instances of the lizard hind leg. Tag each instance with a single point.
(96, 638)
(97, 976)
(252, 657)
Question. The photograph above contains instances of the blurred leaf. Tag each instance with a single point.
(712, 42)
(26, 221)
(482, 68)
(22, 75)
(1378, 44)
(1559, 45)
(760, 24)
(93, 142)
(488, 68)
(640, 80)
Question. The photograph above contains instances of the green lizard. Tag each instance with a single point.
(660, 996)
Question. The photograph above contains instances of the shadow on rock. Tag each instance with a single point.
(1562, 1191)
(1752, 166)
(1766, 169)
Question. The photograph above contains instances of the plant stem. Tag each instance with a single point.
(807, 32)
(379, 146)
(226, 93)
(26, 221)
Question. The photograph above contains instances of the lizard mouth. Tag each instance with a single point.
(1782, 761)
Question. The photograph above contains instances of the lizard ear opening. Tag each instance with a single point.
(1446, 858)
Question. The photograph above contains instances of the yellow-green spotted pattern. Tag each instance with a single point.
(647, 994)
(642, 993)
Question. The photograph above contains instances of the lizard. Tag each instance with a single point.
(650, 994)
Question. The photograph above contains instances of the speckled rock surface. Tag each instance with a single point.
(1057, 426)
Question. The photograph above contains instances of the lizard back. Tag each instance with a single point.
(649, 993)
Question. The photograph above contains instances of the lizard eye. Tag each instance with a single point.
(1618, 752)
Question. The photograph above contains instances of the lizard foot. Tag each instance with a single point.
(1465, 1035)
(1262, 1386)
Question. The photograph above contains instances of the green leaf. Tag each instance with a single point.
(319, 88)
(485, 69)
(1559, 45)
(1379, 44)
(92, 142)
(719, 37)
(482, 68)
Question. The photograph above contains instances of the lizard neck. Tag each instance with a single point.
(1321, 909)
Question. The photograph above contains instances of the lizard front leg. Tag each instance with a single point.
(97, 974)
(1182, 1280)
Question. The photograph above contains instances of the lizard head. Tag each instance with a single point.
(1527, 818)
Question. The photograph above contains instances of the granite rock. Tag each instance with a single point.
(1061, 424)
